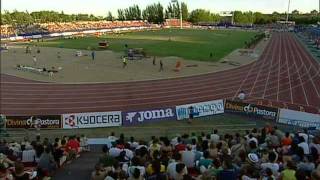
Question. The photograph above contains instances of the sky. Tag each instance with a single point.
(101, 7)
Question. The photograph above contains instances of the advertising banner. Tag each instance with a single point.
(200, 109)
(151, 115)
(91, 120)
(297, 118)
(26, 122)
(251, 110)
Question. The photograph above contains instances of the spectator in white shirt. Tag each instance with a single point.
(241, 95)
(136, 164)
(84, 143)
(304, 145)
(171, 169)
(133, 144)
(174, 141)
(112, 137)
(188, 157)
(129, 153)
(271, 164)
(114, 151)
(305, 135)
(252, 138)
(28, 155)
(215, 138)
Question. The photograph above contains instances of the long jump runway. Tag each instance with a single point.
(285, 75)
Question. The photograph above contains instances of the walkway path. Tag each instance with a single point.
(79, 169)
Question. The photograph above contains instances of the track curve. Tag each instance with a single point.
(285, 75)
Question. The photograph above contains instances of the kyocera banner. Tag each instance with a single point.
(91, 120)
(51, 122)
(251, 110)
(137, 117)
(200, 109)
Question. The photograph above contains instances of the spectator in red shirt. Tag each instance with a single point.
(286, 141)
(180, 146)
(73, 147)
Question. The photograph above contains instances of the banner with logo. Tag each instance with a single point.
(26, 122)
(297, 118)
(91, 120)
(200, 109)
(251, 110)
(152, 115)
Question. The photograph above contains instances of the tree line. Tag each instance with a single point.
(157, 13)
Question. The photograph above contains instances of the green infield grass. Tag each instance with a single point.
(187, 43)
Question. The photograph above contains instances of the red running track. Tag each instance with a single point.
(285, 75)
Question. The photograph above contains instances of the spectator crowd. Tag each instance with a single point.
(266, 154)
(38, 159)
(58, 27)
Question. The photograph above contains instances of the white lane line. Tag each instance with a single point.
(299, 48)
(279, 63)
(299, 77)
(287, 60)
(269, 71)
(259, 72)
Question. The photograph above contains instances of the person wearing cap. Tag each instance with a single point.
(253, 165)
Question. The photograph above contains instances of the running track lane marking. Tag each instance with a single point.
(251, 68)
(279, 63)
(288, 69)
(269, 71)
(293, 57)
(298, 48)
(264, 59)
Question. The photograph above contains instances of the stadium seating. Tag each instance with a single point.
(266, 153)
(176, 23)
(45, 28)
(30, 158)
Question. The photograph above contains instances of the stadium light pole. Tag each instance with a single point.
(181, 15)
(176, 1)
(288, 11)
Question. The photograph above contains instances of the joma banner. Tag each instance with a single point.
(251, 110)
(151, 115)
(48, 122)
(92, 120)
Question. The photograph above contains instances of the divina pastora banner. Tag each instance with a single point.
(26, 122)
(207, 108)
(251, 110)
(151, 115)
(91, 120)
